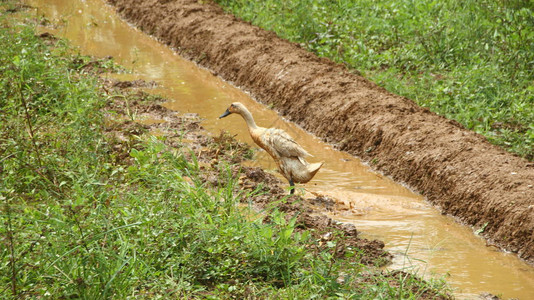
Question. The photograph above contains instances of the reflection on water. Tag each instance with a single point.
(418, 234)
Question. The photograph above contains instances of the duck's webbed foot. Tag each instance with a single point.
(291, 187)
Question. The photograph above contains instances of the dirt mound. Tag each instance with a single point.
(456, 169)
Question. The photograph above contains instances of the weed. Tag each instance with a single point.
(481, 229)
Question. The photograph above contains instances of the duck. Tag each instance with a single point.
(289, 156)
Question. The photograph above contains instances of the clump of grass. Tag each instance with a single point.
(80, 222)
(472, 61)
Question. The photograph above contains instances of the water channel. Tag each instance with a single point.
(423, 240)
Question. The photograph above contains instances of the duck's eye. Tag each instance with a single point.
(233, 106)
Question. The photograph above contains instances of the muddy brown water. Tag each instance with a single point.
(421, 238)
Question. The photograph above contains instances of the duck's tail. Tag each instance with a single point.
(314, 168)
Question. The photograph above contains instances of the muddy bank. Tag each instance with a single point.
(456, 169)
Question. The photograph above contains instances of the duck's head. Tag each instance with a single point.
(234, 108)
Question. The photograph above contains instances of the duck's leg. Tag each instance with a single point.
(291, 187)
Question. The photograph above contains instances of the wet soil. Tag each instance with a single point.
(457, 170)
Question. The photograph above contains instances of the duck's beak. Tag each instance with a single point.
(226, 113)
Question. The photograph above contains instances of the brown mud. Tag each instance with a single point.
(457, 170)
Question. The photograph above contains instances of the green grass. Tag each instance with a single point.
(472, 61)
(78, 220)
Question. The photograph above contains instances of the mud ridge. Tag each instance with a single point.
(456, 169)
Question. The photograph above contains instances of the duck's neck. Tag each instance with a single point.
(249, 119)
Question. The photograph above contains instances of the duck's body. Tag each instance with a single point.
(289, 155)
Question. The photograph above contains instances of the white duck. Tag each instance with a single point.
(285, 151)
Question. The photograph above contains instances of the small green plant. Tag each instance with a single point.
(481, 229)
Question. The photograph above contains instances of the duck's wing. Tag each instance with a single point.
(281, 143)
